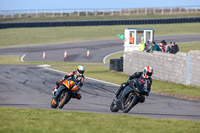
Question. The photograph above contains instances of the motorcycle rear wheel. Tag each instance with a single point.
(113, 107)
(130, 102)
(65, 97)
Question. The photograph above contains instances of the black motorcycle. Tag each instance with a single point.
(130, 96)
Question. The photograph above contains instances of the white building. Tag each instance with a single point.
(138, 35)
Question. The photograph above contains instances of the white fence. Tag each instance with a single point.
(98, 12)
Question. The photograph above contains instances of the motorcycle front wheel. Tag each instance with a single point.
(130, 101)
(113, 107)
(64, 99)
(54, 103)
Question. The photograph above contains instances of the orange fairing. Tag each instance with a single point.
(66, 83)
(75, 88)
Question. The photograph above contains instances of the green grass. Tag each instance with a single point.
(34, 36)
(186, 47)
(14, 120)
(77, 18)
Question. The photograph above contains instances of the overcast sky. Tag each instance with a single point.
(82, 4)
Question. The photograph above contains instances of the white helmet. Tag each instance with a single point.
(148, 71)
(80, 70)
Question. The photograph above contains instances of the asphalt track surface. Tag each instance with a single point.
(31, 86)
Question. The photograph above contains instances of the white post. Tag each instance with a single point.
(86, 12)
(4, 14)
(78, 12)
(12, 14)
(19, 14)
(145, 11)
(36, 13)
(171, 10)
(61, 13)
(154, 11)
(137, 11)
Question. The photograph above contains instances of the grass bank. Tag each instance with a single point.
(14, 120)
(34, 36)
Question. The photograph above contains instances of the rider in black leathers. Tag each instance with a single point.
(145, 75)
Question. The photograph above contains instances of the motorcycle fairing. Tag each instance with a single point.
(120, 100)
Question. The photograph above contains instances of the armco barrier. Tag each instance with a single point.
(99, 22)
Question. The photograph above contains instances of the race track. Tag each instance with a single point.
(30, 86)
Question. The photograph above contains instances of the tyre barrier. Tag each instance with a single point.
(116, 64)
(99, 22)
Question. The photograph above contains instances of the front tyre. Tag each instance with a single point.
(113, 107)
(64, 99)
(130, 101)
(54, 103)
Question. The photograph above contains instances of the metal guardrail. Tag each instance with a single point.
(35, 13)
(98, 22)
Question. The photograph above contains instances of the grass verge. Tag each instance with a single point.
(34, 36)
(53, 121)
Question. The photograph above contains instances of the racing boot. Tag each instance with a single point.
(77, 96)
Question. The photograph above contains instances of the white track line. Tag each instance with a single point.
(85, 77)
(22, 58)
(104, 59)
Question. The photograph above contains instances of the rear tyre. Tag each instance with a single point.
(54, 103)
(64, 99)
(130, 101)
(113, 107)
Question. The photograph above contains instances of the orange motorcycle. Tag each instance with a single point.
(69, 89)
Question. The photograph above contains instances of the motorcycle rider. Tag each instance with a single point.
(77, 77)
(144, 76)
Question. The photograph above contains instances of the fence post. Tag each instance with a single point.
(4, 14)
(162, 11)
(187, 69)
(61, 13)
(171, 10)
(78, 12)
(86, 12)
(146, 10)
(12, 14)
(154, 11)
(36, 13)
(137, 11)
(179, 10)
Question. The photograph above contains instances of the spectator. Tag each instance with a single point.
(162, 44)
(156, 47)
(142, 45)
(174, 48)
(149, 47)
(167, 48)
(131, 39)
